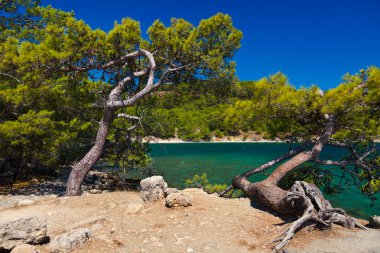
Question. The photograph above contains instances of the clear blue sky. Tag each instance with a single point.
(312, 42)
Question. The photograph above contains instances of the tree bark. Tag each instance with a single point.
(81, 169)
(267, 191)
(303, 200)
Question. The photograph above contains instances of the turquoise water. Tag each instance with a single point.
(223, 161)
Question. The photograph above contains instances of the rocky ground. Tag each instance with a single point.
(95, 182)
(122, 222)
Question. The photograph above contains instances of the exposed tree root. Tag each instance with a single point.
(303, 199)
(315, 208)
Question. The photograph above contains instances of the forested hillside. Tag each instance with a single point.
(266, 107)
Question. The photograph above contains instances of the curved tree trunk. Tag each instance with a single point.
(303, 199)
(115, 102)
(267, 190)
(81, 169)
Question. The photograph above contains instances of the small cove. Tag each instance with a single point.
(222, 161)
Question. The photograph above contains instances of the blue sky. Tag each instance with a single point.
(312, 42)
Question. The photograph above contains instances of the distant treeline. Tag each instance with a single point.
(198, 113)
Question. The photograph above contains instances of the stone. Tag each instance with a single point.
(179, 199)
(24, 230)
(25, 248)
(69, 241)
(169, 191)
(209, 247)
(154, 239)
(96, 227)
(374, 221)
(99, 181)
(133, 208)
(25, 202)
(86, 222)
(95, 191)
(157, 244)
(153, 188)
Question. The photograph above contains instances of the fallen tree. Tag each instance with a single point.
(348, 117)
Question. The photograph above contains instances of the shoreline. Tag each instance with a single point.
(195, 142)
(154, 140)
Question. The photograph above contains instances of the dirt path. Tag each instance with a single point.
(121, 223)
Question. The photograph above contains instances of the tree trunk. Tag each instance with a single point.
(303, 200)
(81, 169)
(267, 191)
(115, 102)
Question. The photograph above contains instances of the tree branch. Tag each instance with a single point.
(150, 86)
(126, 116)
(8, 75)
(368, 153)
(104, 66)
(335, 163)
(269, 164)
(169, 70)
(276, 161)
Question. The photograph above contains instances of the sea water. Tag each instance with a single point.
(222, 161)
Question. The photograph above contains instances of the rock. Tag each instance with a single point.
(96, 227)
(154, 239)
(95, 191)
(25, 230)
(86, 222)
(179, 199)
(169, 191)
(69, 241)
(153, 188)
(25, 248)
(25, 202)
(375, 221)
(209, 247)
(133, 208)
(157, 244)
(99, 181)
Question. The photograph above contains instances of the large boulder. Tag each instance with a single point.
(69, 241)
(153, 188)
(179, 199)
(24, 230)
(374, 221)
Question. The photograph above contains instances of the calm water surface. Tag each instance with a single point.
(223, 161)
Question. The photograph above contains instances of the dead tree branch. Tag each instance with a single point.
(8, 75)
